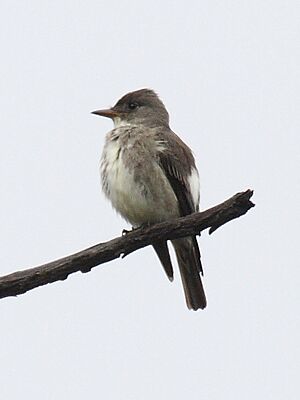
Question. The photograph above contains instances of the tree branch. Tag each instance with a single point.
(22, 281)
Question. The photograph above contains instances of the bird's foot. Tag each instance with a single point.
(134, 228)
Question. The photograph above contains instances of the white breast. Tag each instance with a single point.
(144, 201)
(115, 177)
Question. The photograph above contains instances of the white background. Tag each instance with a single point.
(228, 72)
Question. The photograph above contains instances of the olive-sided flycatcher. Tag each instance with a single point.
(149, 175)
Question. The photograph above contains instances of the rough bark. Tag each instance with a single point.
(22, 281)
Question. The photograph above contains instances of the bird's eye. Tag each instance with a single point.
(133, 106)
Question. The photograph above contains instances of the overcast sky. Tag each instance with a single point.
(228, 72)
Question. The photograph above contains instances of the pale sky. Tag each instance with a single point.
(228, 72)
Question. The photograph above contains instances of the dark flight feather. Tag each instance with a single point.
(177, 168)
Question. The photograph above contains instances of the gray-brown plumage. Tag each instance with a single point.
(149, 175)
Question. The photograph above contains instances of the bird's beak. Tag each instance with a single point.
(109, 113)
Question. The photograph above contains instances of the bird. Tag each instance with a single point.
(149, 175)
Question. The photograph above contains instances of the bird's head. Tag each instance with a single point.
(140, 107)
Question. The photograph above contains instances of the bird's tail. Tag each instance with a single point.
(188, 257)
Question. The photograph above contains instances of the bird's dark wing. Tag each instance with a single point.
(179, 185)
(176, 161)
(181, 189)
(161, 249)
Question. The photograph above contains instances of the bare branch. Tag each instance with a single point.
(22, 281)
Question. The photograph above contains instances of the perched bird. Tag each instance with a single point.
(149, 175)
